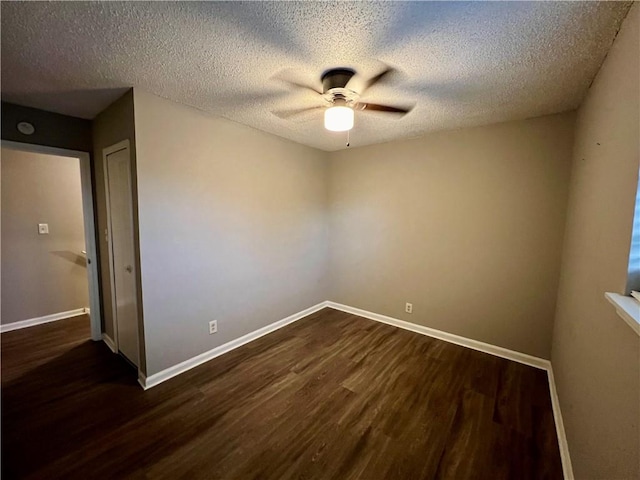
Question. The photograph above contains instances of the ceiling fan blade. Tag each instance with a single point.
(284, 114)
(302, 85)
(373, 80)
(294, 79)
(383, 108)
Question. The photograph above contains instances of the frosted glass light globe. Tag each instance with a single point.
(338, 119)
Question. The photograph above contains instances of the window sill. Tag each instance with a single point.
(628, 308)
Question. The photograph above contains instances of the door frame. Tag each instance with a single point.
(116, 147)
(89, 221)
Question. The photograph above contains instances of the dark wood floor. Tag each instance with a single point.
(332, 396)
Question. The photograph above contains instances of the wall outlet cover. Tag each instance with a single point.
(43, 229)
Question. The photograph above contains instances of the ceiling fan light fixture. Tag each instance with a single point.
(338, 118)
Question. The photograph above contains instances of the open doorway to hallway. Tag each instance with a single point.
(48, 256)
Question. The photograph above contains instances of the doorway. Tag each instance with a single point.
(65, 259)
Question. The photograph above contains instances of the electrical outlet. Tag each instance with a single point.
(408, 307)
(213, 327)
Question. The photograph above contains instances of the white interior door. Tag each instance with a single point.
(118, 172)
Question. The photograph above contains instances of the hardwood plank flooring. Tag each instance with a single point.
(332, 396)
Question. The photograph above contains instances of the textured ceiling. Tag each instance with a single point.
(461, 63)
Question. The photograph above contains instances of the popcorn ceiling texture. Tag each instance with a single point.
(462, 64)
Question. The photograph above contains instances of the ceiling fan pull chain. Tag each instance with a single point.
(348, 142)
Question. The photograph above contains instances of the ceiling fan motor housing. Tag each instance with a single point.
(336, 78)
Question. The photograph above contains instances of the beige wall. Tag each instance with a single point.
(596, 356)
(113, 125)
(41, 274)
(232, 227)
(466, 225)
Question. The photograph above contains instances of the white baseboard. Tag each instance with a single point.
(157, 378)
(32, 322)
(567, 468)
(447, 337)
(109, 341)
(142, 380)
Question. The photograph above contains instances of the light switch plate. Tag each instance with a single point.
(43, 228)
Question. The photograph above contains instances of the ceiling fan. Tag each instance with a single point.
(340, 100)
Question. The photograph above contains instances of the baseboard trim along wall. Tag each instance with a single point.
(32, 322)
(541, 363)
(567, 468)
(156, 378)
(447, 337)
